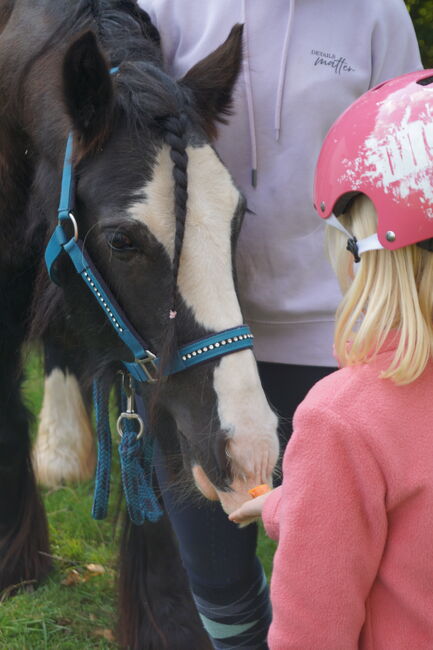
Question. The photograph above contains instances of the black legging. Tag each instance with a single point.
(220, 558)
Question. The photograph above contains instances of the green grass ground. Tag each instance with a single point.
(75, 608)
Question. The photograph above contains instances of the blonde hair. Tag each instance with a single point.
(390, 290)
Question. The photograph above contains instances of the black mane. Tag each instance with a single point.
(114, 18)
(145, 92)
(123, 30)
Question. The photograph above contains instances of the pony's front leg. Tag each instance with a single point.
(157, 611)
(156, 606)
(64, 450)
(24, 545)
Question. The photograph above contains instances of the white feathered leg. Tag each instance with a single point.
(64, 450)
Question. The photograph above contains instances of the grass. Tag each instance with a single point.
(75, 608)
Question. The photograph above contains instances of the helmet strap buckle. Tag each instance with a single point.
(352, 247)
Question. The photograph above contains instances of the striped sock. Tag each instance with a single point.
(237, 616)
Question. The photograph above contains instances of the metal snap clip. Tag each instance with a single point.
(130, 413)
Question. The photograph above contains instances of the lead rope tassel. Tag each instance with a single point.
(136, 456)
(136, 461)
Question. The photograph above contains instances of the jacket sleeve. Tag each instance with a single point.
(332, 532)
(394, 46)
(270, 513)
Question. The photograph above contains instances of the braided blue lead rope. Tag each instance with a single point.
(101, 496)
(136, 462)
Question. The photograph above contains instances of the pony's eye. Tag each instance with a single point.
(119, 241)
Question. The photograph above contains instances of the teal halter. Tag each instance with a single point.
(145, 365)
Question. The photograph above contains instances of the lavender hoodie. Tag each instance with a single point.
(305, 62)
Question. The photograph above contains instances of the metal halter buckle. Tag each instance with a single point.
(130, 413)
(149, 367)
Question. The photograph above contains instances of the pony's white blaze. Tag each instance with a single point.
(205, 277)
(206, 284)
(64, 450)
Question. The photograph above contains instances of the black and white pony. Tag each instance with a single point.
(159, 215)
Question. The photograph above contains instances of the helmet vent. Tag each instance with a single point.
(426, 81)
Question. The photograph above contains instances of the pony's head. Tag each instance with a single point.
(159, 214)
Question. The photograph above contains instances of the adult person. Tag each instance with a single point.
(305, 61)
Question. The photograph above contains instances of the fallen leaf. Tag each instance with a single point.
(73, 578)
(97, 569)
(105, 634)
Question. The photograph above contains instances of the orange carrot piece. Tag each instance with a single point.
(259, 490)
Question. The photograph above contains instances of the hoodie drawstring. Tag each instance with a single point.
(282, 75)
(250, 102)
(249, 90)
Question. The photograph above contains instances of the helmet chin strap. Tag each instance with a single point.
(356, 247)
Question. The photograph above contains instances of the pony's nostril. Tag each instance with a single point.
(222, 476)
(214, 462)
(222, 453)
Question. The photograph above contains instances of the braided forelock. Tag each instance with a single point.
(175, 137)
(174, 129)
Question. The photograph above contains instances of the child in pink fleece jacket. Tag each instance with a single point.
(354, 514)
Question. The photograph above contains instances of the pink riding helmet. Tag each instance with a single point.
(382, 146)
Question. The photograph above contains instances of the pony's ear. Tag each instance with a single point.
(88, 92)
(212, 80)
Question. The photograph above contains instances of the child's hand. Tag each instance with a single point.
(250, 510)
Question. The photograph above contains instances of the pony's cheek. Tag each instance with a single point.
(203, 484)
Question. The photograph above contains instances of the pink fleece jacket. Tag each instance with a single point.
(354, 517)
